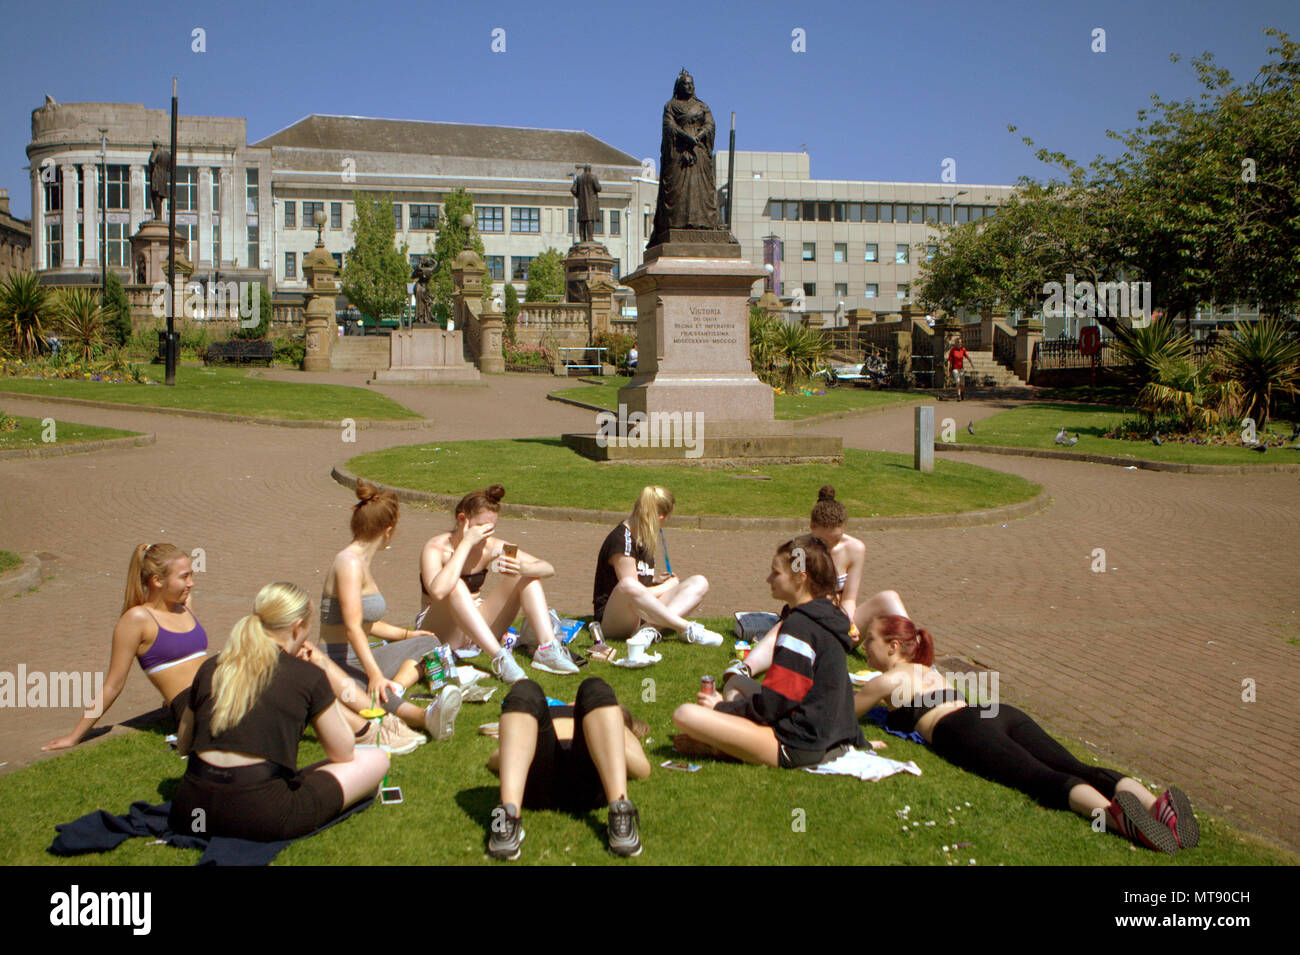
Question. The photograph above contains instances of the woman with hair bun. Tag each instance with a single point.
(157, 628)
(1001, 743)
(246, 713)
(453, 570)
(627, 592)
(351, 609)
(802, 713)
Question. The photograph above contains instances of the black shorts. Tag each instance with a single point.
(562, 775)
(263, 802)
(790, 758)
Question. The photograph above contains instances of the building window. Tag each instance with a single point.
(309, 210)
(291, 215)
(216, 192)
(54, 192)
(776, 209)
(840, 211)
(976, 213)
(872, 290)
(963, 215)
(525, 219)
(809, 289)
(872, 254)
(810, 251)
(253, 252)
(119, 245)
(900, 212)
(808, 211)
(823, 212)
(216, 243)
(290, 265)
(423, 216)
(414, 258)
(598, 227)
(886, 212)
(617, 273)
(917, 214)
(870, 212)
(251, 194)
(80, 254)
(855, 212)
(841, 290)
(990, 212)
(615, 226)
(521, 264)
(119, 188)
(496, 266)
(187, 189)
(336, 215)
(900, 254)
(338, 259)
(904, 291)
(191, 233)
(490, 218)
(841, 252)
(930, 252)
(572, 221)
(53, 245)
(397, 216)
(945, 215)
(931, 213)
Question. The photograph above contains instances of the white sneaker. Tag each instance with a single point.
(506, 669)
(440, 716)
(701, 635)
(396, 738)
(648, 634)
(552, 659)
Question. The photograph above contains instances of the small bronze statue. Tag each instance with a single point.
(688, 197)
(160, 167)
(421, 274)
(586, 187)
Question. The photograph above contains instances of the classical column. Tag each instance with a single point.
(229, 210)
(70, 188)
(90, 215)
(204, 249)
(38, 221)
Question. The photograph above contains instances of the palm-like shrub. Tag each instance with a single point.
(1196, 398)
(799, 352)
(24, 307)
(762, 344)
(81, 321)
(1264, 359)
(1145, 350)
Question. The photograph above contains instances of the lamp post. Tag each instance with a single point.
(952, 214)
(103, 216)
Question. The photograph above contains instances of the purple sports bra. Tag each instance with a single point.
(172, 648)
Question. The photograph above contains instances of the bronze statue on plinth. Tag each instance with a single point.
(688, 196)
(160, 166)
(586, 187)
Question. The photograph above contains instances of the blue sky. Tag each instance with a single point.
(885, 90)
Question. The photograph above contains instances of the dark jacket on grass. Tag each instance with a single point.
(806, 696)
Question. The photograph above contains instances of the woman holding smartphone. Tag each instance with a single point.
(157, 628)
(241, 728)
(627, 592)
(453, 570)
(802, 713)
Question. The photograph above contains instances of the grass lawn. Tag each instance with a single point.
(9, 560)
(1036, 426)
(543, 471)
(788, 407)
(30, 431)
(230, 391)
(725, 814)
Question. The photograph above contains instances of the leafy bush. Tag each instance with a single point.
(526, 358)
(616, 345)
(25, 305)
(263, 326)
(117, 311)
(81, 322)
(511, 310)
(545, 278)
(1264, 359)
(290, 351)
(194, 340)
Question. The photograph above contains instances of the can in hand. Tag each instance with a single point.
(706, 684)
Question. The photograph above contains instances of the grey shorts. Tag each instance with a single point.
(389, 657)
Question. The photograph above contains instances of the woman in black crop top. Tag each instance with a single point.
(246, 712)
(1001, 743)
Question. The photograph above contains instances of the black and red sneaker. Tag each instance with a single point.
(1130, 820)
(1174, 809)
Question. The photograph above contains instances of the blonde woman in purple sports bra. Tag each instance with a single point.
(157, 628)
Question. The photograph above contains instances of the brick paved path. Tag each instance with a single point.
(1144, 662)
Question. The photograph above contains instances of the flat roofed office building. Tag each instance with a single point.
(248, 210)
(856, 242)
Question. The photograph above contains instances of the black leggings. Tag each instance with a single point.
(562, 774)
(1010, 748)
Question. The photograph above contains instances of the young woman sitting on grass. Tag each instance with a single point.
(802, 713)
(157, 628)
(1001, 743)
(628, 593)
(453, 569)
(827, 524)
(351, 611)
(573, 757)
(241, 727)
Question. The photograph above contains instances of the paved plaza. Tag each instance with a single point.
(1145, 663)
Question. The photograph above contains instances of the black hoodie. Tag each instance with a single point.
(806, 696)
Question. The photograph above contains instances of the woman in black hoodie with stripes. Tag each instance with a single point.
(802, 712)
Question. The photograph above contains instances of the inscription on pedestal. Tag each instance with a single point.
(703, 325)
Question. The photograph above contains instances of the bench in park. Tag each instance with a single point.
(581, 361)
(240, 351)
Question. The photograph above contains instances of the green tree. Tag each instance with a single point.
(117, 311)
(545, 277)
(375, 271)
(263, 326)
(25, 305)
(81, 321)
(1264, 358)
(512, 311)
(450, 243)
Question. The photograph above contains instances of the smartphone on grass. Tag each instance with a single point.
(390, 795)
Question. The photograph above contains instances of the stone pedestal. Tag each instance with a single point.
(492, 359)
(426, 355)
(1028, 334)
(320, 269)
(586, 261)
(149, 254)
(695, 395)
